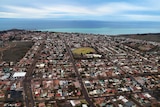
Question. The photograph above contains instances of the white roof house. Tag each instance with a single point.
(40, 65)
(19, 74)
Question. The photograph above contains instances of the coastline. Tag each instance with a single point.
(105, 31)
(155, 37)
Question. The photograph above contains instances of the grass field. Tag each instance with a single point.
(83, 50)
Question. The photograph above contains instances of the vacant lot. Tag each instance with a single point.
(15, 51)
(148, 37)
(83, 50)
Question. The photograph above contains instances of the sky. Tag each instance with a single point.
(108, 10)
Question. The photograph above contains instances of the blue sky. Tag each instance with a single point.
(108, 10)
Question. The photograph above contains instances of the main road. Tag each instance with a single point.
(27, 81)
(84, 91)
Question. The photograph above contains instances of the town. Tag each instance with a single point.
(54, 69)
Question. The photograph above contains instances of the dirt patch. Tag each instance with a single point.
(148, 37)
(15, 51)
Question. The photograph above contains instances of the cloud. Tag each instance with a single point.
(69, 9)
(8, 14)
(43, 12)
(116, 7)
(142, 17)
(100, 11)
(26, 12)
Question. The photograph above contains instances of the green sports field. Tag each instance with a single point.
(83, 50)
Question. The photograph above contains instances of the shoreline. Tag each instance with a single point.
(155, 37)
(104, 31)
(50, 30)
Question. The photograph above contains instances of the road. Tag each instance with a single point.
(84, 91)
(27, 81)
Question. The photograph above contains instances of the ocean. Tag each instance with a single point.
(82, 26)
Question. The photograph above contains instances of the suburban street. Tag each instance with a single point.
(84, 91)
(27, 81)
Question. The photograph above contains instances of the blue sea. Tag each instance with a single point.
(81, 26)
